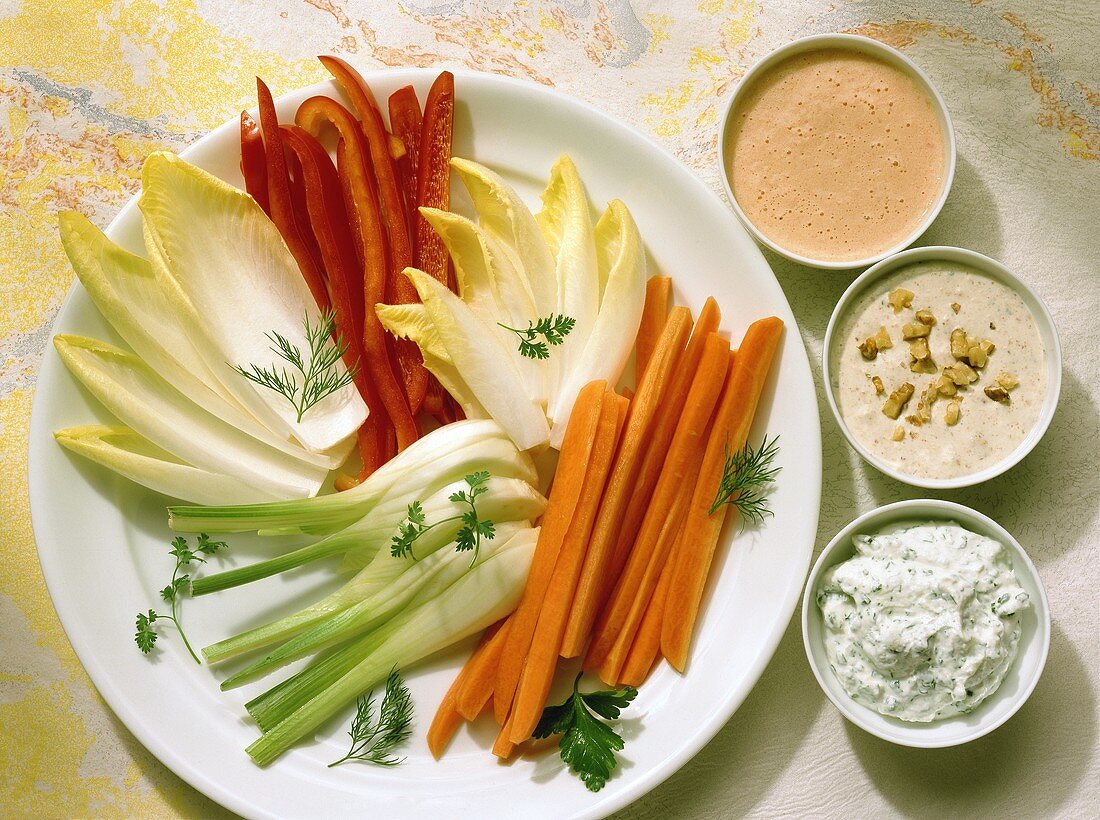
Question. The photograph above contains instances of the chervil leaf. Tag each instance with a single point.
(208, 547)
(467, 539)
(415, 513)
(552, 329)
(587, 745)
(145, 636)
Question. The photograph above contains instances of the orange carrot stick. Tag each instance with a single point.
(564, 496)
(702, 528)
(447, 717)
(542, 657)
(504, 748)
(619, 621)
(636, 439)
(479, 674)
(658, 292)
(647, 643)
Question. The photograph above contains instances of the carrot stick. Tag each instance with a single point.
(702, 528)
(654, 398)
(504, 748)
(562, 503)
(647, 643)
(542, 657)
(619, 621)
(480, 673)
(658, 292)
(447, 717)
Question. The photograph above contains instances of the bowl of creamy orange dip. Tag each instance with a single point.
(836, 151)
(942, 368)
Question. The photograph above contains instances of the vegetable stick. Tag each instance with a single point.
(254, 161)
(658, 292)
(395, 216)
(647, 643)
(701, 528)
(433, 186)
(593, 587)
(405, 122)
(504, 748)
(280, 202)
(355, 174)
(564, 496)
(542, 657)
(480, 673)
(446, 721)
(619, 621)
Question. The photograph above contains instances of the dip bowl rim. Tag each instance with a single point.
(988, 266)
(854, 42)
(996, 709)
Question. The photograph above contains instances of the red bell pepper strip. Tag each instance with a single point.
(358, 182)
(405, 122)
(433, 184)
(254, 161)
(301, 212)
(399, 290)
(281, 202)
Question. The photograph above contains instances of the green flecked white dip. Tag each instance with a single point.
(986, 431)
(921, 624)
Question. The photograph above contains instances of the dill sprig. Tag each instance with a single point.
(373, 738)
(320, 377)
(469, 535)
(746, 477)
(146, 634)
(553, 330)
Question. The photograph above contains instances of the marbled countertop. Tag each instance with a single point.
(87, 89)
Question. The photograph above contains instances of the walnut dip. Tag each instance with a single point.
(939, 370)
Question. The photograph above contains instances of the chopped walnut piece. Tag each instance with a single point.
(879, 387)
(914, 419)
(952, 414)
(914, 330)
(959, 347)
(1007, 380)
(955, 306)
(987, 346)
(977, 356)
(883, 340)
(868, 349)
(925, 317)
(898, 434)
(918, 348)
(998, 394)
(897, 400)
(900, 299)
(960, 373)
(945, 386)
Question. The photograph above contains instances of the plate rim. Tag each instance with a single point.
(193, 775)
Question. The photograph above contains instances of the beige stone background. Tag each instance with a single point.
(87, 89)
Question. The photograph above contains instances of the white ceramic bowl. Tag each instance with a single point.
(1018, 683)
(995, 270)
(857, 43)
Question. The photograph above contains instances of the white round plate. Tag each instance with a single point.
(103, 542)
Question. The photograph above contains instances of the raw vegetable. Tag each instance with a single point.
(254, 161)
(587, 744)
(374, 737)
(146, 634)
(647, 643)
(433, 187)
(479, 673)
(693, 553)
(658, 291)
(482, 596)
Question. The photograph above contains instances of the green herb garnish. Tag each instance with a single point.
(373, 738)
(587, 744)
(469, 535)
(553, 330)
(320, 375)
(146, 634)
(745, 479)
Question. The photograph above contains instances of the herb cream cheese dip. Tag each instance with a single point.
(835, 154)
(922, 623)
(964, 413)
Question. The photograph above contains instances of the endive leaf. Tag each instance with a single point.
(623, 266)
(123, 287)
(145, 402)
(230, 262)
(487, 367)
(122, 450)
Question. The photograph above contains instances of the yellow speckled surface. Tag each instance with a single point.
(87, 89)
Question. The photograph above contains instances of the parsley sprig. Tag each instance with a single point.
(746, 476)
(469, 535)
(553, 330)
(320, 376)
(146, 634)
(374, 737)
(587, 744)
